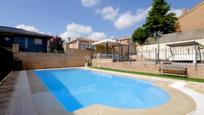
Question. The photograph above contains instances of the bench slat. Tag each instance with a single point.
(174, 70)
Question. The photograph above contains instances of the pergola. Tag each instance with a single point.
(113, 44)
(196, 47)
(107, 43)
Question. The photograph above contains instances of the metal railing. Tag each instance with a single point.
(114, 57)
(105, 56)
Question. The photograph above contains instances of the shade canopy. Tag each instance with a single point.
(179, 44)
(110, 42)
(104, 42)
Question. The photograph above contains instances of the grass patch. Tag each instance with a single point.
(152, 74)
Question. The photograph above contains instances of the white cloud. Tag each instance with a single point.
(89, 3)
(127, 19)
(122, 20)
(97, 36)
(108, 13)
(65, 35)
(77, 28)
(28, 28)
(74, 30)
(178, 12)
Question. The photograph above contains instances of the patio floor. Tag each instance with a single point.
(30, 97)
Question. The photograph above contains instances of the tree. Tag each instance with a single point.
(160, 18)
(139, 35)
(55, 45)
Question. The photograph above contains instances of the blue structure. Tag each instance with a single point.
(28, 41)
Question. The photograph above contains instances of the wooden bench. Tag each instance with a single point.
(173, 69)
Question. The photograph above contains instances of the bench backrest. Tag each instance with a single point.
(174, 67)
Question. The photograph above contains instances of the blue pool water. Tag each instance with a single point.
(78, 88)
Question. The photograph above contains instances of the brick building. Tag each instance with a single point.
(192, 19)
(80, 43)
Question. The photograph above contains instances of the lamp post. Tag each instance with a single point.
(158, 35)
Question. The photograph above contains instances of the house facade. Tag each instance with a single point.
(80, 43)
(27, 41)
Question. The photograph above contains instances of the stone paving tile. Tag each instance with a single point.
(46, 104)
(7, 87)
(21, 102)
(44, 101)
(36, 85)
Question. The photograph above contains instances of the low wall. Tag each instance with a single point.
(140, 67)
(149, 67)
(76, 58)
(192, 35)
(98, 62)
(72, 58)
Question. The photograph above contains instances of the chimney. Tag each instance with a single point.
(69, 39)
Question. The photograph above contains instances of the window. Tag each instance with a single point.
(26, 42)
(38, 41)
(7, 38)
(84, 46)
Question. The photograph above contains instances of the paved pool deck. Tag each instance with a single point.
(31, 97)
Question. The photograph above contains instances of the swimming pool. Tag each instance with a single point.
(78, 88)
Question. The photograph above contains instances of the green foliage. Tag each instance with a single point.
(139, 35)
(160, 18)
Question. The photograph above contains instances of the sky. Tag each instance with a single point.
(95, 19)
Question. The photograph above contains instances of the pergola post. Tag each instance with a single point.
(121, 52)
(106, 49)
(112, 52)
(128, 51)
(200, 57)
